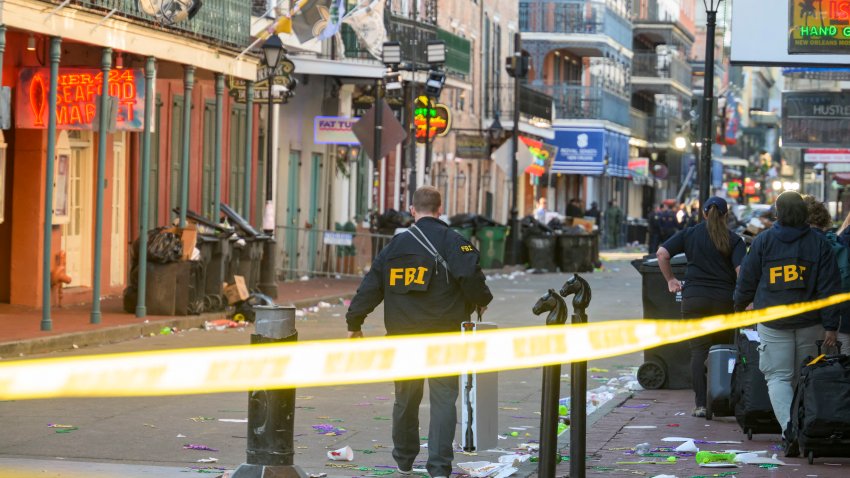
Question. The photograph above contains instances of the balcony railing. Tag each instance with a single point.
(663, 128)
(654, 65)
(574, 16)
(533, 103)
(639, 124)
(575, 101)
(405, 30)
(224, 22)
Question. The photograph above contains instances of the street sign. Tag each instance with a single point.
(239, 92)
(815, 119)
(393, 132)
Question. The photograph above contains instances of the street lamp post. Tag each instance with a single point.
(711, 7)
(273, 51)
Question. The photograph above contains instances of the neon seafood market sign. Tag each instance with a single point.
(76, 97)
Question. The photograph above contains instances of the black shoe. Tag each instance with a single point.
(792, 449)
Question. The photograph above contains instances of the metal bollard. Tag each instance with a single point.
(578, 383)
(268, 269)
(271, 413)
(557, 308)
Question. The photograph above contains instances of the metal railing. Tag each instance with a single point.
(661, 66)
(225, 22)
(639, 124)
(576, 101)
(533, 103)
(320, 252)
(574, 16)
(662, 129)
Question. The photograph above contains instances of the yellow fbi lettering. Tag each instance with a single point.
(410, 275)
(788, 273)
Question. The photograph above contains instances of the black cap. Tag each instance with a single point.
(717, 202)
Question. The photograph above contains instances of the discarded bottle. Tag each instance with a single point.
(642, 449)
(704, 457)
(563, 410)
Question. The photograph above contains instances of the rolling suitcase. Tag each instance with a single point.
(720, 364)
(820, 412)
(753, 410)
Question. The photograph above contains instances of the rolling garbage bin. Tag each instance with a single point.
(668, 366)
(491, 246)
(541, 252)
(576, 252)
(466, 232)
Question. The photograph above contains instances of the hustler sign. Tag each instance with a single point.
(819, 26)
(76, 97)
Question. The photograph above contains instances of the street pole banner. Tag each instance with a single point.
(350, 361)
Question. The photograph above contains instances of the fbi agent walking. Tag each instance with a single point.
(714, 257)
(430, 281)
(787, 264)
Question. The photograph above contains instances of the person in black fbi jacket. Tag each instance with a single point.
(430, 281)
(787, 264)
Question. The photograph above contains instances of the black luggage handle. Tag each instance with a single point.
(819, 343)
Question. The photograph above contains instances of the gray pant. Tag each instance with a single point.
(780, 354)
(845, 343)
(443, 392)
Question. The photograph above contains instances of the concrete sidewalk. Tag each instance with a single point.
(20, 331)
(651, 415)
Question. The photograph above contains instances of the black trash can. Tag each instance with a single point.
(668, 366)
(541, 252)
(577, 251)
(246, 260)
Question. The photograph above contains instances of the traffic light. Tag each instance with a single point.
(517, 67)
(434, 84)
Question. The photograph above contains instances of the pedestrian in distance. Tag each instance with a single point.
(714, 257)
(594, 212)
(821, 223)
(540, 211)
(667, 224)
(574, 208)
(613, 220)
(788, 264)
(430, 281)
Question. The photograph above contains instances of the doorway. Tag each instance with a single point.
(118, 239)
(77, 233)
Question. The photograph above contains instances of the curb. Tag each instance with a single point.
(528, 469)
(123, 333)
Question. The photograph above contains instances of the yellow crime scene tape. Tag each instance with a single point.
(349, 361)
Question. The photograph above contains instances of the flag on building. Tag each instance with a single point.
(367, 21)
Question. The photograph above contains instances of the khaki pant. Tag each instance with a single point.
(781, 353)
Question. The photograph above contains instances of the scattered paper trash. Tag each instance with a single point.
(233, 420)
(514, 458)
(665, 476)
(317, 475)
(482, 469)
(687, 447)
(192, 446)
(208, 460)
(324, 305)
(756, 459)
(343, 454)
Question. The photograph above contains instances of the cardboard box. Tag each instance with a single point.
(236, 292)
(188, 237)
(584, 223)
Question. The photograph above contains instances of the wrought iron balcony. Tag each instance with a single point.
(639, 124)
(577, 101)
(405, 30)
(575, 16)
(653, 65)
(534, 104)
(663, 128)
(223, 22)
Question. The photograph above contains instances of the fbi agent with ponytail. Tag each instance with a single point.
(714, 257)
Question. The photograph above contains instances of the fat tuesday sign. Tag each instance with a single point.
(76, 97)
(818, 26)
(334, 130)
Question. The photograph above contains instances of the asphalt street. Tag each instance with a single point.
(145, 436)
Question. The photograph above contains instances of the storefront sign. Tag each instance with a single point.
(815, 119)
(334, 130)
(579, 152)
(827, 156)
(639, 167)
(338, 238)
(819, 27)
(440, 119)
(77, 93)
(542, 156)
(472, 146)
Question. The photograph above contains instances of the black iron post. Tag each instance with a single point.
(556, 306)
(578, 380)
(271, 413)
(707, 108)
(376, 155)
(515, 232)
